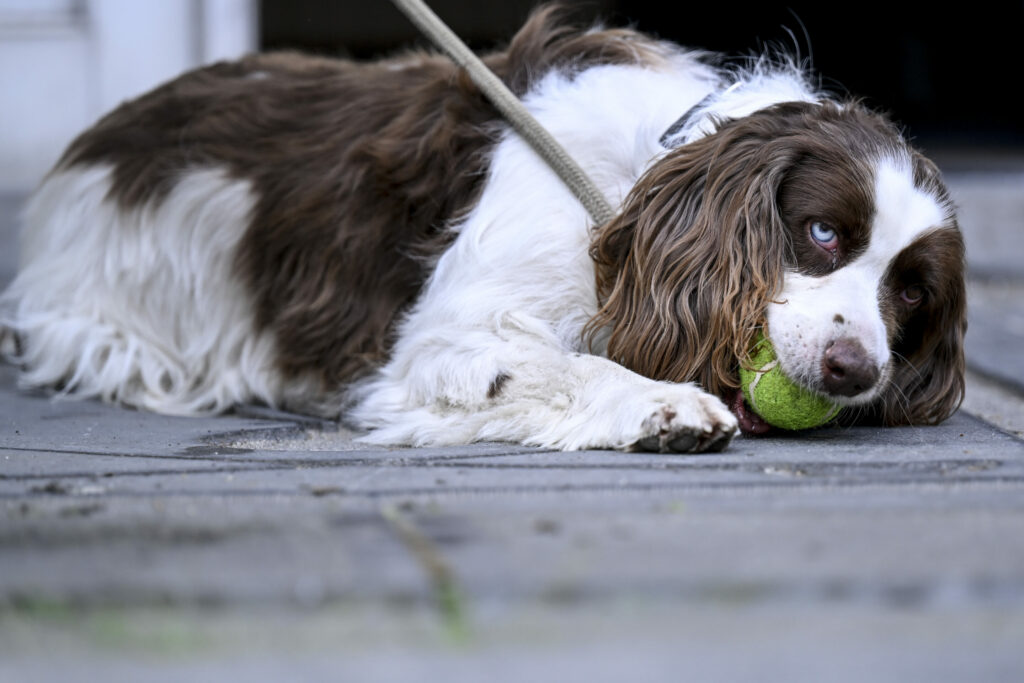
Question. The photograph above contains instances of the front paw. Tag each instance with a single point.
(697, 423)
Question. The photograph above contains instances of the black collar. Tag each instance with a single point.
(681, 123)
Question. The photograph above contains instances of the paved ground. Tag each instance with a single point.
(264, 547)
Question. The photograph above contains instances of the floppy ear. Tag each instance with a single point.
(685, 272)
(927, 385)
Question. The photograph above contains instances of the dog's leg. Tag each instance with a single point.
(537, 394)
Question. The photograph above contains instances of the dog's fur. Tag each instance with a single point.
(370, 239)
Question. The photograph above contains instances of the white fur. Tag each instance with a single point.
(804, 319)
(764, 84)
(141, 306)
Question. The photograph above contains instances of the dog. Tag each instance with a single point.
(370, 241)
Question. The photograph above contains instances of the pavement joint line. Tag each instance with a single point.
(929, 596)
(918, 594)
(275, 461)
(795, 467)
(109, 476)
(393, 453)
(561, 489)
(369, 457)
(115, 454)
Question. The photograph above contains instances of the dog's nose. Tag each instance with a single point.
(846, 368)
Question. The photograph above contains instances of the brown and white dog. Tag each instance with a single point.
(370, 241)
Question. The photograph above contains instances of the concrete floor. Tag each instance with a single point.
(262, 547)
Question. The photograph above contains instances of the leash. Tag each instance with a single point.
(511, 108)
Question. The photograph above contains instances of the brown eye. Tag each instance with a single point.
(912, 295)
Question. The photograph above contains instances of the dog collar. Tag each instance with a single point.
(668, 138)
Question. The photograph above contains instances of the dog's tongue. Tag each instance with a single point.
(750, 422)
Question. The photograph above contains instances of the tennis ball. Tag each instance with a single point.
(776, 398)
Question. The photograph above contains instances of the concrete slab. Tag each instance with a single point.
(991, 206)
(995, 335)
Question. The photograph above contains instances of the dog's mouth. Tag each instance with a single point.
(750, 422)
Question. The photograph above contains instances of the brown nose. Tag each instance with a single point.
(846, 368)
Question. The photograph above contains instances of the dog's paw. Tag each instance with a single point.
(696, 422)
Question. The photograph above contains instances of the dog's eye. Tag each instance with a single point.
(912, 295)
(824, 235)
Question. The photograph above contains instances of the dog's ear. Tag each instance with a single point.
(686, 271)
(927, 384)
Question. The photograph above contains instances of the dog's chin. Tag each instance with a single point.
(750, 422)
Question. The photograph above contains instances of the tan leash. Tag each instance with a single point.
(511, 108)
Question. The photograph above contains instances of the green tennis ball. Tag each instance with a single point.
(776, 398)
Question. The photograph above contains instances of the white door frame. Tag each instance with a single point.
(64, 63)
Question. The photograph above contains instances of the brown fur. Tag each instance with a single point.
(927, 385)
(686, 272)
(358, 169)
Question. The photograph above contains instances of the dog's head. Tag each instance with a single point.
(814, 220)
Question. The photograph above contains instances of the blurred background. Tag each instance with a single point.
(948, 75)
(938, 70)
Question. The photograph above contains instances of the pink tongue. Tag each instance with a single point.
(750, 422)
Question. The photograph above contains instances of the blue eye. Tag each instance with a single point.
(824, 235)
